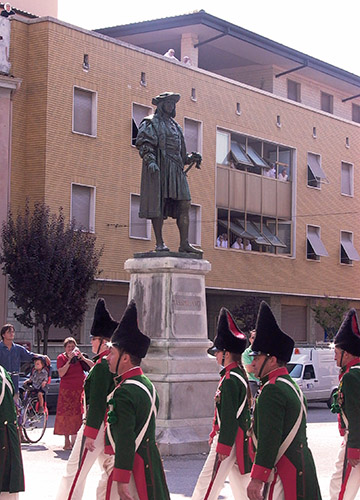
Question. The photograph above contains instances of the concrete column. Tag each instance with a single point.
(170, 297)
(8, 87)
(188, 40)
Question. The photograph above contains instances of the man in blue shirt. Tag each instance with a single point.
(12, 355)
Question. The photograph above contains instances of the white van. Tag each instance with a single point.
(314, 370)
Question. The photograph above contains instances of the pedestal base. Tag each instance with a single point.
(170, 297)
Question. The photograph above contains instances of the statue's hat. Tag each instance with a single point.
(166, 95)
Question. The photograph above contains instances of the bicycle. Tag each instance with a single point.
(31, 422)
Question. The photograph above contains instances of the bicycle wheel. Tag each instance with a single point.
(34, 423)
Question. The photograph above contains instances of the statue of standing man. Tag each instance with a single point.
(164, 186)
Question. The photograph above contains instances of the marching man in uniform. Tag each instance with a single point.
(345, 482)
(283, 467)
(229, 453)
(138, 473)
(11, 466)
(90, 441)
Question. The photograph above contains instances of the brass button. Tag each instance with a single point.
(147, 440)
(300, 473)
(5, 423)
(301, 445)
(146, 466)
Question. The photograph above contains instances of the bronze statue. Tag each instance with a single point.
(164, 186)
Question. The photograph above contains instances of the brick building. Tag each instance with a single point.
(278, 130)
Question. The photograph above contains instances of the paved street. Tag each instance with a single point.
(45, 462)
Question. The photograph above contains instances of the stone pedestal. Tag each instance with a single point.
(170, 298)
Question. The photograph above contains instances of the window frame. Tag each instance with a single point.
(318, 234)
(200, 133)
(147, 222)
(355, 112)
(326, 95)
(150, 108)
(94, 106)
(92, 207)
(297, 86)
(198, 210)
(351, 165)
(318, 167)
(356, 256)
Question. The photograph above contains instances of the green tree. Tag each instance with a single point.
(329, 315)
(246, 313)
(50, 267)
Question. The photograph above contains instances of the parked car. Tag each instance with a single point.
(53, 388)
(315, 371)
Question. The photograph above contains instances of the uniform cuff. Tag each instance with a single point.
(223, 449)
(353, 453)
(90, 432)
(108, 450)
(260, 472)
(121, 475)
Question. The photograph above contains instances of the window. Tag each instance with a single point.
(347, 179)
(192, 134)
(222, 147)
(315, 172)
(83, 207)
(84, 112)
(315, 247)
(138, 228)
(138, 113)
(327, 102)
(293, 91)
(348, 252)
(195, 225)
(356, 113)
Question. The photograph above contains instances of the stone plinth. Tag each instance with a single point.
(170, 297)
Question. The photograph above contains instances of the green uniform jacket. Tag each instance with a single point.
(276, 411)
(229, 396)
(98, 384)
(130, 410)
(11, 467)
(348, 399)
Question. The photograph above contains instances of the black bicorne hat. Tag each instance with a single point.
(128, 336)
(165, 95)
(229, 337)
(103, 324)
(348, 336)
(269, 338)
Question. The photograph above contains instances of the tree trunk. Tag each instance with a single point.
(46, 329)
(38, 338)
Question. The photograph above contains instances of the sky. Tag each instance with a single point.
(325, 29)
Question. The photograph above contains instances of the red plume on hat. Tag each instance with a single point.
(348, 336)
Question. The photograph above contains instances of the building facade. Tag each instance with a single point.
(275, 205)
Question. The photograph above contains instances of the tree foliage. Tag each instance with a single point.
(50, 268)
(329, 315)
(246, 313)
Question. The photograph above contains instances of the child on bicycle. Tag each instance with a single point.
(38, 380)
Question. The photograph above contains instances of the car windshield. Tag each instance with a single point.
(294, 369)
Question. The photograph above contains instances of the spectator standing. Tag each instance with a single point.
(71, 365)
(7, 11)
(230, 452)
(171, 55)
(11, 466)
(345, 481)
(12, 355)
